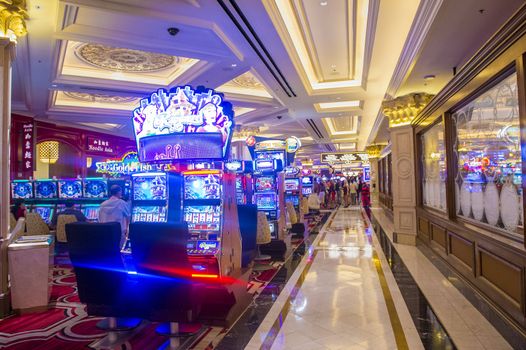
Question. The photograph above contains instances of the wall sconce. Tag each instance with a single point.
(48, 152)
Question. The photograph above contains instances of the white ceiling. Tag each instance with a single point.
(320, 72)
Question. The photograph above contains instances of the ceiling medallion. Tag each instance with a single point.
(87, 97)
(247, 80)
(123, 60)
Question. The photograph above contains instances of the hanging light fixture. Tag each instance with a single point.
(48, 152)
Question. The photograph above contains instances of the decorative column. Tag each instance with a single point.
(12, 25)
(401, 111)
(374, 151)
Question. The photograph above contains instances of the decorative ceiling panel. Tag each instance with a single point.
(90, 100)
(346, 125)
(245, 84)
(327, 54)
(97, 61)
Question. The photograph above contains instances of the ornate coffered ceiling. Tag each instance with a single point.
(294, 67)
(125, 60)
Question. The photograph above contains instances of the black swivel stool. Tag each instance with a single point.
(164, 272)
(102, 281)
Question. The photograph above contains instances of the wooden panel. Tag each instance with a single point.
(423, 226)
(438, 234)
(461, 249)
(502, 274)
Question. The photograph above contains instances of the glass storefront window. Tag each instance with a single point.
(488, 150)
(434, 168)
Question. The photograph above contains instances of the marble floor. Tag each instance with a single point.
(339, 303)
(344, 295)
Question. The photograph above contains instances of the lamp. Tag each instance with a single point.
(48, 152)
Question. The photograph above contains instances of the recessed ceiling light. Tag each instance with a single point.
(53, 85)
(234, 65)
(338, 98)
(429, 77)
(323, 3)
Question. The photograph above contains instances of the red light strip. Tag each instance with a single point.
(201, 172)
(204, 275)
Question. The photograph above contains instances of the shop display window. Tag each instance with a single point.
(434, 168)
(488, 151)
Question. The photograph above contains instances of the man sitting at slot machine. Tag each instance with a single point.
(70, 210)
(116, 210)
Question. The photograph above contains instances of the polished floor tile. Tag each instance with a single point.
(340, 304)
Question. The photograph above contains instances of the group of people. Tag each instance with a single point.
(339, 191)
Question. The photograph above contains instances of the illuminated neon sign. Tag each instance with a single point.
(127, 165)
(183, 123)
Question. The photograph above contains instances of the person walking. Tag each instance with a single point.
(353, 192)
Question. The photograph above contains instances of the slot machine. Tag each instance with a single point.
(292, 186)
(243, 171)
(46, 195)
(293, 191)
(306, 185)
(268, 188)
(211, 214)
(22, 189)
(155, 197)
(95, 191)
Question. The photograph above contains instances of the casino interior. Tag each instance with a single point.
(262, 174)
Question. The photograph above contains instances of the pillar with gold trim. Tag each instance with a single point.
(401, 111)
(13, 14)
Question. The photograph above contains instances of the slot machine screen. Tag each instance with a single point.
(306, 181)
(91, 212)
(295, 200)
(150, 187)
(264, 164)
(45, 212)
(61, 207)
(21, 189)
(239, 184)
(306, 191)
(266, 201)
(265, 183)
(292, 184)
(46, 189)
(203, 217)
(69, 189)
(95, 188)
(202, 186)
(149, 214)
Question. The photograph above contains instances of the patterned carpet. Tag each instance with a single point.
(65, 325)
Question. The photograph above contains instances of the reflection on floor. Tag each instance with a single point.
(340, 304)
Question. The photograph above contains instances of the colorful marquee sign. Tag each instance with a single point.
(129, 164)
(183, 124)
(343, 158)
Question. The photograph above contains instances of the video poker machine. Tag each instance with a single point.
(210, 209)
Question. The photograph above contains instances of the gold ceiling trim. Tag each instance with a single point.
(402, 110)
(374, 151)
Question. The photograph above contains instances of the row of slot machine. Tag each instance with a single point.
(49, 196)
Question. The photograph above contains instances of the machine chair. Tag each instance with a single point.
(164, 272)
(102, 280)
